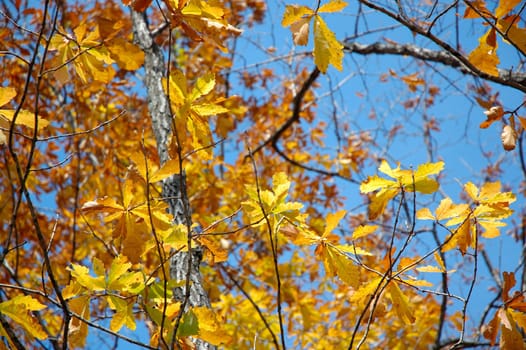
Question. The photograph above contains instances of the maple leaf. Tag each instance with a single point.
(19, 310)
(408, 180)
(24, 117)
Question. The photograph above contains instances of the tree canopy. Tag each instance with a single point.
(244, 174)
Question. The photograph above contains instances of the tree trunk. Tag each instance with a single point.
(174, 187)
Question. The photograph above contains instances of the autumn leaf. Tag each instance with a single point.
(24, 117)
(211, 327)
(86, 50)
(494, 114)
(123, 313)
(505, 7)
(508, 137)
(272, 202)
(19, 310)
(484, 57)
(408, 180)
(191, 114)
(516, 35)
(327, 50)
(400, 304)
(332, 6)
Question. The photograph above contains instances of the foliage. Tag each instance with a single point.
(309, 237)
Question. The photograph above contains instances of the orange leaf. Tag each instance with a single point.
(484, 57)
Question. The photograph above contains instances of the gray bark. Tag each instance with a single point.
(506, 77)
(174, 187)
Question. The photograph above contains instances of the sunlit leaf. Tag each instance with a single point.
(484, 57)
(327, 50)
(332, 6)
(19, 310)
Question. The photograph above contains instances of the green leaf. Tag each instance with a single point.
(189, 326)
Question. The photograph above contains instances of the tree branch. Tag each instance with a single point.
(506, 77)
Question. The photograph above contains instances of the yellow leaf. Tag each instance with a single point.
(417, 283)
(211, 327)
(169, 168)
(428, 169)
(208, 109)
(332, 221)
(332, 6)
(505, 7)
(327, 50)
(19, 310)
(424, 214)
(81, 275)
(511, 338)
(400, 304)
(515, 34)
(6, 95)
(484, 57)
(379, 202)
(127, 55)
(124, 314)
(24, 117)
(78, 330)
(338, 264)
(203, 86)
(294, 13)
(491, 228)
(352, 249)
(362, 231)
(374, 183)
(429, 268)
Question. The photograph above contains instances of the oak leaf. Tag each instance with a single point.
(19, 310)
